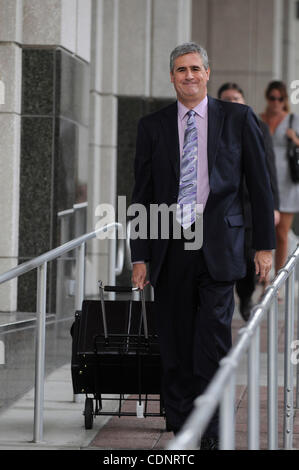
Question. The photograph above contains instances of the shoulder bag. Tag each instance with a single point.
(293, 155)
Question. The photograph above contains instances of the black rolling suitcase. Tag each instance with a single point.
(115, 351)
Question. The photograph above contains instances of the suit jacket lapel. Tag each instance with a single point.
(170, 124)
(215, 123)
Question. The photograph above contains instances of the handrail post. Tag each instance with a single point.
(297, 367)
(254, 391)
(80, 276)
(288, 366)
(112, 261)
(80, 285)
(227, 415)
(40, 352)
(272, 375)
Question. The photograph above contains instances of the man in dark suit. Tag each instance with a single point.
(245, 287)
(196, 151)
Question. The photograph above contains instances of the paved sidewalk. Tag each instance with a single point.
(133, 433)
(64, 422)
(63, 419)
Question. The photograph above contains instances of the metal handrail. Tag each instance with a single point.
(76, 207)
(221, 390)
(128, 247)
(40, 263)
(65, 212)
(59, 251)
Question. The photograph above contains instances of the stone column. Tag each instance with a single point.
(278, 39)
(288, 41)
(55, 114)
(10, 109)
(290, 46)
(103, 132)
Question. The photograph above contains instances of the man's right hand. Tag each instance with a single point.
(139, 275)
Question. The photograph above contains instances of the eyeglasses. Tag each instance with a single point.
(275, 98)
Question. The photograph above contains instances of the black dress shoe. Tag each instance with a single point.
(245, 308)
(209, 443)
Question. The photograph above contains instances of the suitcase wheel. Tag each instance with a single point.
(88, 413)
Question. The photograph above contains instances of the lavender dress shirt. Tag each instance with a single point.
(201, 119)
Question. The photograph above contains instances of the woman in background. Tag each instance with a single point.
(277, 116)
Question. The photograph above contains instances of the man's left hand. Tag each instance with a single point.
(263, 264)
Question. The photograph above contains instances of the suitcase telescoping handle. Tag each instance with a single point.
(119, 288)
(122, 289)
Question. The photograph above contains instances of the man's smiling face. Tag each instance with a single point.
(189, 78)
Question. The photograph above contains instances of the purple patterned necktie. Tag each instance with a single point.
(186, 208)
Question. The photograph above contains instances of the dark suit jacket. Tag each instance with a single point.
(235, 148)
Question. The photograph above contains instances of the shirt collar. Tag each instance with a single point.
(200, 109)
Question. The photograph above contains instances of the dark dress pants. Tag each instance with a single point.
(194, 314)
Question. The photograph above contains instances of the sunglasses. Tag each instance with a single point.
(275, 98)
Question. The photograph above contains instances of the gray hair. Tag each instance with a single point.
(186, 48)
